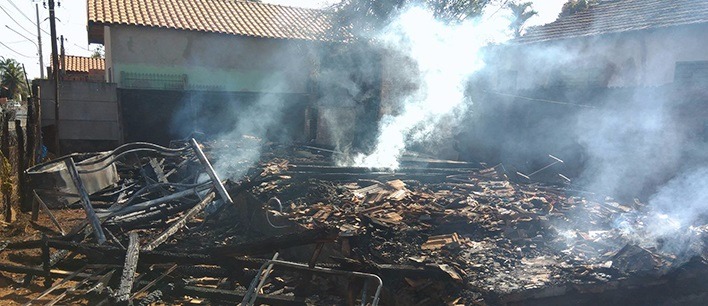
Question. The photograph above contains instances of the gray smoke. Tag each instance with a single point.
(586, 100)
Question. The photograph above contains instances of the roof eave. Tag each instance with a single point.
(95, 32)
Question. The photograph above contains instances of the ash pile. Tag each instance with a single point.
(145, 224)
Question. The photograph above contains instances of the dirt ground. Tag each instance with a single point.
(12, 288)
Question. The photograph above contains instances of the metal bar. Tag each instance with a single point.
(86, 203)
(305, 267)
(52, 288)
(258, 288)
(212, 174)
(45, 209)
(153, 282)
(72, 289)
(249, 297)
(177, 225)
(149, 203)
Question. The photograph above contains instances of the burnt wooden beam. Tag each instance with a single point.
(271, 244)
(129, 267)
(85, 202)
(236, 296)
(46, 263)
(181, 222)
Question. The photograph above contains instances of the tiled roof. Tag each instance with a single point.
(82, 64)
(617, 16)
(236, 17)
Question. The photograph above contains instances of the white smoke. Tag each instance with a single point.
(445, 56)
(675, 221)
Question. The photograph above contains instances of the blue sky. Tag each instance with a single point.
(21, 37)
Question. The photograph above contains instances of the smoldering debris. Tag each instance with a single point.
(302, 230)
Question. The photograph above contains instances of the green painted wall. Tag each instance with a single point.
(217, 79)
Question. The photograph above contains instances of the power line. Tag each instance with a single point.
(25, 37)
(23, 14)
(538, 100)
(20, 54)
(13, 19)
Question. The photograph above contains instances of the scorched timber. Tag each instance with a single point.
(269, 245)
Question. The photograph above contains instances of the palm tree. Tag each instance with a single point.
(521, 12)
(13, 83)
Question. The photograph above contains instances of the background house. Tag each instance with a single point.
(622, 82)
(199, 65)
(88, 115)
(623, 43)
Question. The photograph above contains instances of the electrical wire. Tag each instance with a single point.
(28, 18)
(538, 100)
(13, 19)
(22, 13)
(18, 53)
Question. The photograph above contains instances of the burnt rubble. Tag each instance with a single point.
(158, 224)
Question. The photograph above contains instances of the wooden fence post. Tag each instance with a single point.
(24, 200)
(5, 147)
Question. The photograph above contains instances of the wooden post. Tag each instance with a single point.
(25, 201)
(30, 127)
(5, 147)
(46, 265)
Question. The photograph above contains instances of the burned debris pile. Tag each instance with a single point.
(150, 224)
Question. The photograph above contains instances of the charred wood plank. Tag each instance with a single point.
(159, 170)
(271, 244)
(38, 271)
(177, 225)
(46, 263)
(85, 202)
(129, 268)
(236, 296)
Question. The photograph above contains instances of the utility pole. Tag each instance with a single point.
(62, 53)
(55, 73)
(39, 44)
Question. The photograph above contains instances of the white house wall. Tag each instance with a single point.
(645, 58)
(215, 61)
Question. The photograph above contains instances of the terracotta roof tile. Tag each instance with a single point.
(235, 17)
(82, 63)
(616, 16)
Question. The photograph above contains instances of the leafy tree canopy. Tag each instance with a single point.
(521, 12)
(12, 79)
(573, 6)
(369, 15)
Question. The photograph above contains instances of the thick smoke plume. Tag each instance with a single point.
(597, 103)
(445, 55)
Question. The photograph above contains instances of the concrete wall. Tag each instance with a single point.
(641, 58)
(208, 60)
(87, 110)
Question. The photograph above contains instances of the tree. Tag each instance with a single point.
(521, 12)
(13, 84)
(370, 15)
(573, 6)
(98, 52)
